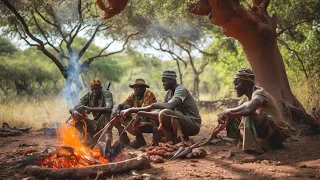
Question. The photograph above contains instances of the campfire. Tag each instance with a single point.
(71, 152)
(72, 159)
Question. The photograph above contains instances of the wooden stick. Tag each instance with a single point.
(216, 131)
(104, 130)
(135, 116)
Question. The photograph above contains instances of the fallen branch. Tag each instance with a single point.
(140, 162)
(5, 133)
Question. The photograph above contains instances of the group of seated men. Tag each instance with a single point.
(178, 116)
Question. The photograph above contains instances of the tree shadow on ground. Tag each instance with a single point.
(299, 159)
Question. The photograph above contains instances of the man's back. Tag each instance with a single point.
(270, 107)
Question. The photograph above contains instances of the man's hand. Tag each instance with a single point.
(82, 108)
(224, 115)
(125, 112)
(76, 114)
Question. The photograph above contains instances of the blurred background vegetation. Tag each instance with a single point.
(170, 38)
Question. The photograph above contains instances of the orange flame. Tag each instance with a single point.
(81, 155)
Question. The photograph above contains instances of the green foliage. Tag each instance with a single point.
(27, 75)
(229, 58)
(299, 46)
(299, 39)
(166, 12)
(107, 70)
(31, 73)
(6, 48)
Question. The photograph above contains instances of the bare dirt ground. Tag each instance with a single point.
(298, 160)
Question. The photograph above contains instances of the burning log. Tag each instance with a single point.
(139, 162)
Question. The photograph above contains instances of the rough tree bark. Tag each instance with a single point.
(255, 29)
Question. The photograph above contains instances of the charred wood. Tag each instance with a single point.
(140, 162)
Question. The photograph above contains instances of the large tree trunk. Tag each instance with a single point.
(256, 32)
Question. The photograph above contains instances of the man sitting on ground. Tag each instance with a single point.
(264, 127)
(99, 102)
(139, 98)
(179, 117)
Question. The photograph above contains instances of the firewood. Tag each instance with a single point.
(10, 133)
(99, 175)
(142, 161)
(24, 128)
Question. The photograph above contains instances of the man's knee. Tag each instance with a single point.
(164, 114)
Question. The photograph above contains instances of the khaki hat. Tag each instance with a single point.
(139, 82)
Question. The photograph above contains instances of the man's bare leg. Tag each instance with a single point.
(140, 141)
(165, 125)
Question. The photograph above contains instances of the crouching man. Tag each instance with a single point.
(258, 113)
(178, 117)
(99, 102)
(140, 97)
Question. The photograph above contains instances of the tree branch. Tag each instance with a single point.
(172, 54)
(83, 50)
(264, 4)
(294, 25)
(189, 55)
(46, 20)
(40, 43)
(51, 23)
(244, 13)
(104, 49)
(80, 10)
(87, 62)
(203, 65)
(25, 39)
(43, 34)
(62, 53)
(297, 55)
(257, 2)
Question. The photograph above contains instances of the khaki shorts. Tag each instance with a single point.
(189, 127)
